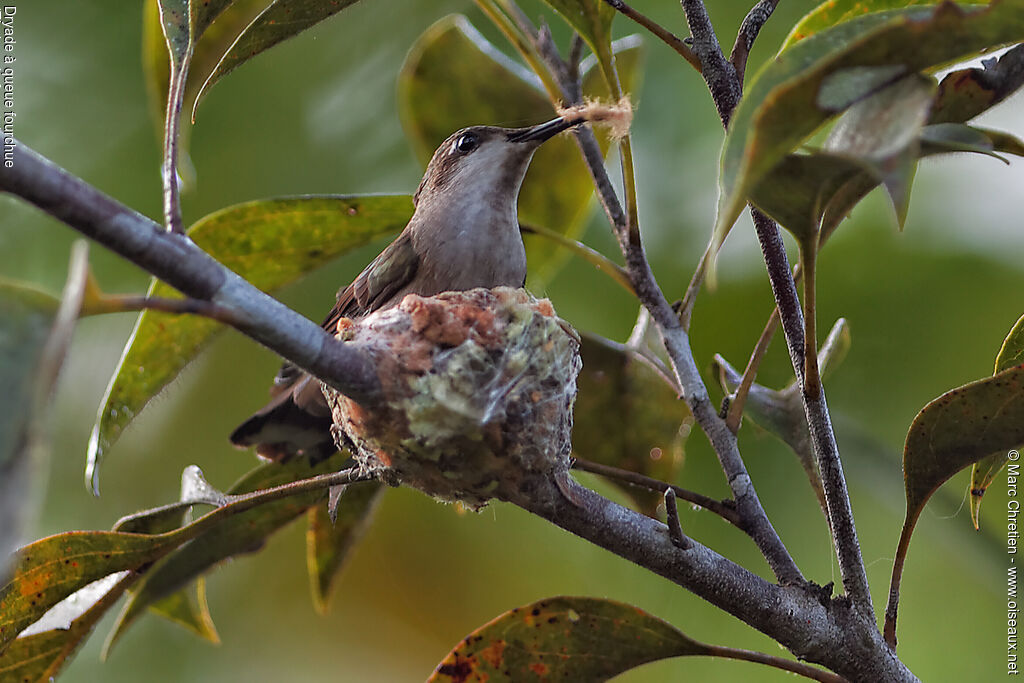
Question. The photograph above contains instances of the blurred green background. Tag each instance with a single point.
(928, 309)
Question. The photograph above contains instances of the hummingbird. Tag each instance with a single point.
(463, 234)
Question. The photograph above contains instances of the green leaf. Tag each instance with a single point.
(959, 428)
(1011, 353)
(558, 638)
(270, 243)
(203, 12)
(39, 657)
(828, 14)
(26, 318)
(782, 108)
(984, 472)
(240, 533)
(53, 568)
(188, 608)
(799, 189)
(212, 42)
(592, 19)
(454, 78)
(328, 543)
(883, 130)
(627, 416)
(281, 20)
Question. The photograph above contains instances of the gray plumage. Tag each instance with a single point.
(463, 234)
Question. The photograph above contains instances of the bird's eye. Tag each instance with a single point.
(467, 142)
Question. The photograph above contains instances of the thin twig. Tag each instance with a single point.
(675, 528)
(745, 37)
(725, 509)
(662, 33)
(120, 303)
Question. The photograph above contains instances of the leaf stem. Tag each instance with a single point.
(592, 256)
(121, 303)
(808, 262)
(239, 503)
(172, 129)
(799, 668)
(523, 44)
(739, 397)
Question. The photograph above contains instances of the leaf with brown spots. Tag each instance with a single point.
(53, 568)
(564, 638)
(39, 657)
(955, 430)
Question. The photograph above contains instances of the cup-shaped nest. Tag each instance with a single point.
(478, 389)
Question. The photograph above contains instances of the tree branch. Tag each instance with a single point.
(745, 37)
(174, 259)
(677, 344)
(718, 73)
(811, 626)
(844, 530)
(662, 33)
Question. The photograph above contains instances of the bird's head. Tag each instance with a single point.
(485, 161)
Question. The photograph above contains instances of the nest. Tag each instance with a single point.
(478, 389)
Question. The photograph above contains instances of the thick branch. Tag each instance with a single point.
(817, 630)
(174, 259)
(844, 530)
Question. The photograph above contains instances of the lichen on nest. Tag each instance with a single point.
(478, 392)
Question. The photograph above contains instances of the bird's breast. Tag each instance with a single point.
(482, 250)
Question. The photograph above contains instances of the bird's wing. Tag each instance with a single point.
(386, 276)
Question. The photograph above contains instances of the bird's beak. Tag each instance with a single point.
(542, 131)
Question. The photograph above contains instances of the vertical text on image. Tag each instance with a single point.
(7, 63)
